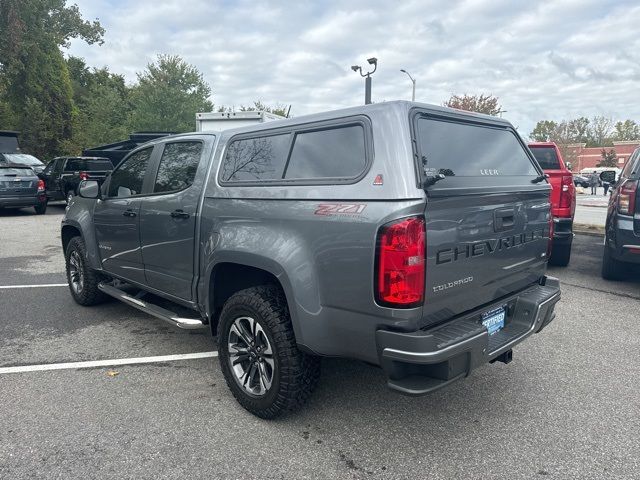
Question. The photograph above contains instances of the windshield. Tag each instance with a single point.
(546, 157)
(22, 159)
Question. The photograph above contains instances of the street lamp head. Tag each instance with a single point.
(355, 68)
(403, 70)
(372, 60)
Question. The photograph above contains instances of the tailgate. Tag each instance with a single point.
(487, 221)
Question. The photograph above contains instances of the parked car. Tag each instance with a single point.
(63, 175)
(581, 181)
(20, 187)
(22, 159)
(622, 228)
(563, 199)
(325, 235)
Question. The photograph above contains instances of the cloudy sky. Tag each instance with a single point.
(544, 60)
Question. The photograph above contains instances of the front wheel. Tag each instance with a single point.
(83, 280)
(259, 358)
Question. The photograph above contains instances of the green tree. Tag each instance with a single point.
(544, 131)
(33, 72)
(627, 130)
(168, 95)
(103, 104)
(475, 103)
(609, 159)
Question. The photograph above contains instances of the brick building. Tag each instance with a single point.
(582, 157)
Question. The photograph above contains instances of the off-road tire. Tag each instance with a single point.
(295, 374)
(90, 294)
(560, 255)
(41, 209)
(611, 268)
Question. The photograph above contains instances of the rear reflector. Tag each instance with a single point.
(400, 263)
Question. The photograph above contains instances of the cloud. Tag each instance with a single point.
(545, 60)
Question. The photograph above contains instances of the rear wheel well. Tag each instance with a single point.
(68, 232)
(229, 278)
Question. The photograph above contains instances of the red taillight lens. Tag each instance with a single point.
(84, 175)
(566, 192)
(401, 263)
(40, 186)
(627, 197)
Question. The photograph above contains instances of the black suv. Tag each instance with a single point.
(622, 242)
(63, 174)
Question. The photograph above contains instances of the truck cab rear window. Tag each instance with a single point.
(470, 150)
(546, 157)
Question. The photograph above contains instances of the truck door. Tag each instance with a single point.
(117, 219)
(168, 219)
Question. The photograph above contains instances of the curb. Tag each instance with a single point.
(585, 229)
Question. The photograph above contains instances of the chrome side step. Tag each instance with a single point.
(152, 309)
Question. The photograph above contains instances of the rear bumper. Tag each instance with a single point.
(17, 202)
(423, 361)
(562, 231)
(626, 247)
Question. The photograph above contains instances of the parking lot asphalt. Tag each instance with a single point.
(568, 406)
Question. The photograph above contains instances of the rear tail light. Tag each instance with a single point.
(627, 197)
(400, 263)
(40, 186)
(84, 175)
(566, 192)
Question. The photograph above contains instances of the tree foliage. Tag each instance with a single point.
(38, 97)
(482, 103)
(168, 95)
(627, 130)
(609, 158)
(102, 99)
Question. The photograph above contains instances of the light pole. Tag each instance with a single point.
(367, 78)
(413, 83)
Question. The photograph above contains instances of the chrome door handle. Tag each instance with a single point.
(129, 213)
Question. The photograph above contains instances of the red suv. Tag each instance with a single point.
(563, 199)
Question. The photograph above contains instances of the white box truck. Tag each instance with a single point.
(207, 121)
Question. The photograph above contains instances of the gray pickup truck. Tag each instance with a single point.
(408, 236)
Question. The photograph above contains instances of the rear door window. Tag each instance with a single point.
(178, 166)
(330, 153)
(127, 180)
(459, 149)
(547, 157)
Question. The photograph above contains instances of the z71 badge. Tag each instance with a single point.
(340, 208)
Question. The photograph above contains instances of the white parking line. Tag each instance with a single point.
(6, 287)
(107, 363)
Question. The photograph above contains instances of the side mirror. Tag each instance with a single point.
(89, 189)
